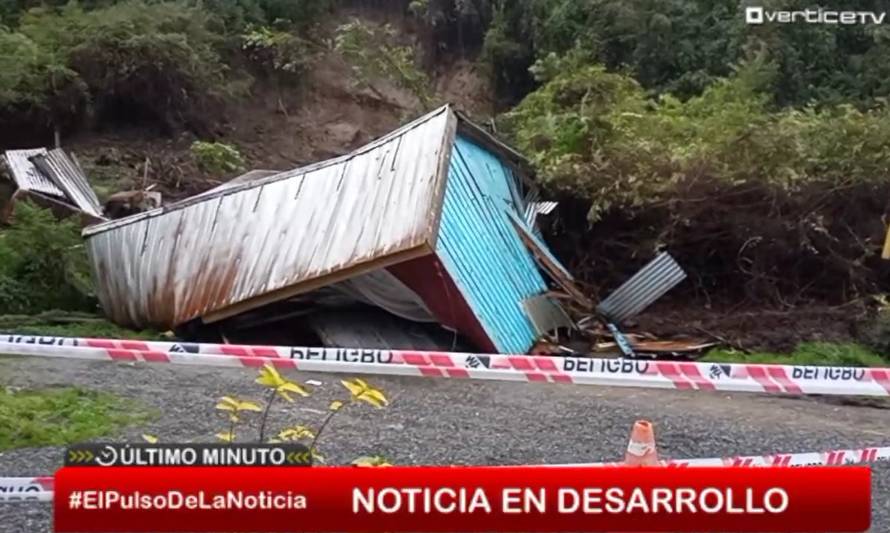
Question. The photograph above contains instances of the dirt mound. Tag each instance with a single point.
(756, 330)
(274, 128)
(757, 245)
(463, 84)
(327, 116)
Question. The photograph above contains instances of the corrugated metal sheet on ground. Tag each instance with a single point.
(204, 254)
(375, 329)
(482, 251)
(67, 175)
(649, 284)
(26, 175)
(381, 289)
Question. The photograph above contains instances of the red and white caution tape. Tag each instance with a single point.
(26, 488)
(41, 488)
(829, 458)
(780, 379)
(42, 496)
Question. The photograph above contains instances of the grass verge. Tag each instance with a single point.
(806, 353)
(64, 415)
(70, 324)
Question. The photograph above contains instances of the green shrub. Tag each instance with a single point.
(162, 61)
(157, 60)
(276, 52)
(681, 47)
(298, 13)
(374, 54)
(506, 53)
(236, 14)
(43, 264)
(217, 158)
(876, 333)
(595, 133)
(35, 80)
(763, 205)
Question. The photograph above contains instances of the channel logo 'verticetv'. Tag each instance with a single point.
(759, 15)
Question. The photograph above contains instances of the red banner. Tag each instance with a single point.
(468, 499)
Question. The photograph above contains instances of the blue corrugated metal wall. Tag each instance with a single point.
(482, 251)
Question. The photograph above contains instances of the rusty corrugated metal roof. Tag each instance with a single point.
(243, 246)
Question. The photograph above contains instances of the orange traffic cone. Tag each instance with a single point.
(641, 448)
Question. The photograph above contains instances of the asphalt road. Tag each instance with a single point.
(439, 421)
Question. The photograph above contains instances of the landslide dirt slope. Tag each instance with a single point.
(279, 127)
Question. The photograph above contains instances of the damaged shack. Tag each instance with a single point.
(433, 223)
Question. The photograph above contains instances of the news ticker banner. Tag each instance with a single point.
(203, 454)
(40, 488)
(780, 379)
(468, 499)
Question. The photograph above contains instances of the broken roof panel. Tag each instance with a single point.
(219, 254)
(69, 178)
(26, 175)
(55, 177)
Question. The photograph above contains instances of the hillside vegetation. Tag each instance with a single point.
(170, 63)
(757, 155)
(773, 205)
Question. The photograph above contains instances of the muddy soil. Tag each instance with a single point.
(769, 330)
